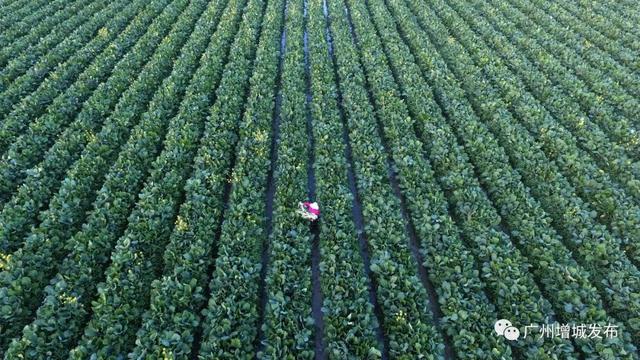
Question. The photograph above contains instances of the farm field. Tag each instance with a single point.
(476, 164)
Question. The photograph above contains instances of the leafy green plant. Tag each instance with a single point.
(44, 179)
(24, 31)
(593, 245)
(24, 73)
(229, 324)
(522, 213)
(136, 259)
(350, 324)
(29, 148)
(169, 325)
(288, 322)
(31, 264)
(90, 248)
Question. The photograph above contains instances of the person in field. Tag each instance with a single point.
(309, 210)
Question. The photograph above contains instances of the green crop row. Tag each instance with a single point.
(28, 148)
(137, 256)
(27, 272)
(69, 295)
(288, 323)
(13, 12)
(599, 51)
(10, 128)
(610, 156)
(602, 18)
(349, 320)
(456, 279)
(622, 130)
(33, 94)
(625, 6)
(230, 318)
(562, 279)
(595, 187)
(27, 30)
(594, 247)
(18, 8)
(610, 119)
(511, 286)
(409, 327)
(30, 93)
(170, 324)
(14, 5)
(43, 180)
(27, 71)
(473, 161)
(611, 92)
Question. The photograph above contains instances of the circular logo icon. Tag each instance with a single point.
(501, 325)
(511, 333)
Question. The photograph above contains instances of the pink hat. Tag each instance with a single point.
(313, 208)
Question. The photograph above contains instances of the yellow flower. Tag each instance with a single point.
(167, 354)
(66, 299)
(181, 224)
(91, 136)
(4, 261)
